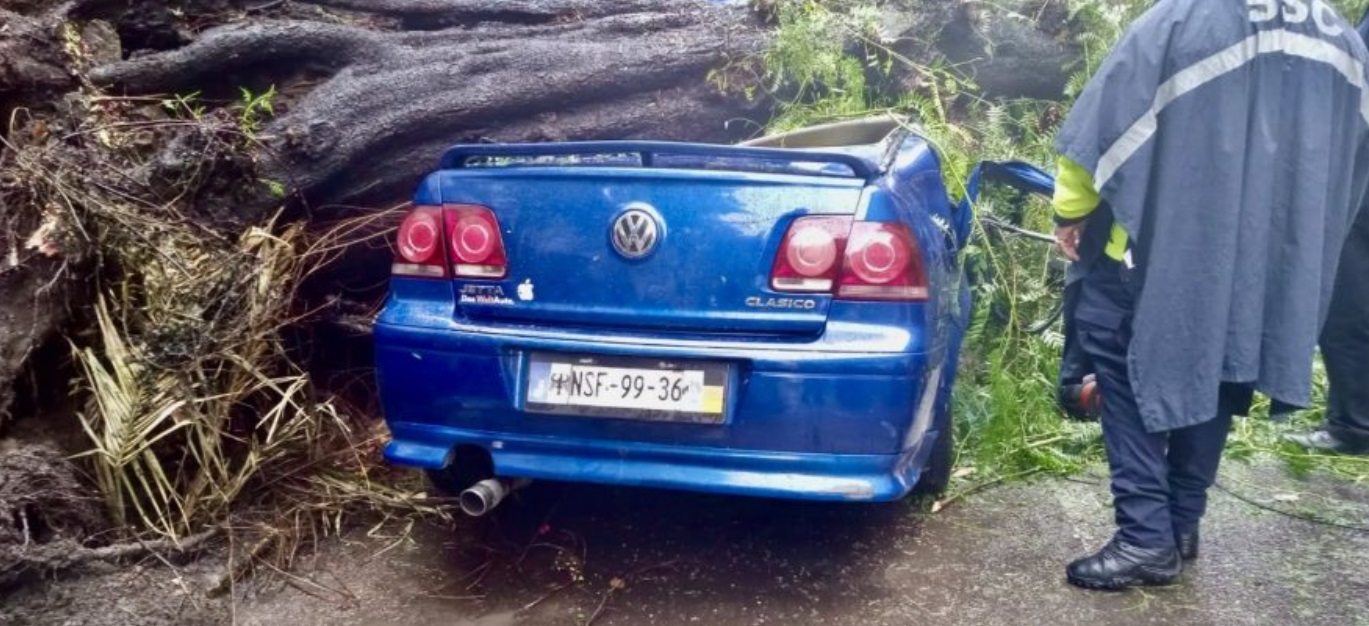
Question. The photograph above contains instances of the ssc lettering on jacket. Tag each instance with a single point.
(1297, 12)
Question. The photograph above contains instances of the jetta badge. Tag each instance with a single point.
(635, 232)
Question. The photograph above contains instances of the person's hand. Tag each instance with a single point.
(1067, 239)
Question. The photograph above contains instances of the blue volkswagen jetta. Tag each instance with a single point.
(780, 319)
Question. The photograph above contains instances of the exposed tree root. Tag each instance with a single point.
(44, 509)
(67, 554)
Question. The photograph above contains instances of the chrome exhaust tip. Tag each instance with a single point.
(482, 497)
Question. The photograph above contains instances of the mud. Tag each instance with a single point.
(147, 593)
(993, 559)
(576, 554)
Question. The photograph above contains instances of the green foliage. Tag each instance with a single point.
(808, 58)
(1262, 437)
(250, 110)
(821, 63)
(1006, 419)
(253, 108)
(1007, 423)
(188, 106)
(1097, 25)
(276, 188)
(1352, 10)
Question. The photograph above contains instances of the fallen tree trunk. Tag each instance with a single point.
(1010, 49)
(421, 14)
(383, 102)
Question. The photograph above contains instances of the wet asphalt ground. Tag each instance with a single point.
(579, 554)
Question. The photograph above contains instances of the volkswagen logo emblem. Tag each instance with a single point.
(635, 232)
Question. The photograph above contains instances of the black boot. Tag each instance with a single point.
(1187, 540)
(1120, 565)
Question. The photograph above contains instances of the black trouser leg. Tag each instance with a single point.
(1074, 361)
(1194, 454)
(1159, 480)
(1136, 457)
(1345, 342)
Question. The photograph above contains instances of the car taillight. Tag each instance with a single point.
(808, 256)
(420, 245)
(463, 235)
(859, 261)
(476, 244)
(883, 262)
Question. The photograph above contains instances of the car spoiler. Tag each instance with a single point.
(1017, 174)
(660, 153)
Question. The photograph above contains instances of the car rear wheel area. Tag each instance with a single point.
(936, 475)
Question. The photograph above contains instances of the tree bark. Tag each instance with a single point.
(388, 101)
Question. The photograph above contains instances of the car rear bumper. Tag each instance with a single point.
(807, 424)
(867, 477)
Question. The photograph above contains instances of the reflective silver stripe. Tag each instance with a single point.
(1278, 41)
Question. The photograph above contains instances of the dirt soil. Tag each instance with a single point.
(579, 554)
(44, 508)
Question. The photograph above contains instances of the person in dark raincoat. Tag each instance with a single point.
(1222, 150)
(1345, 346)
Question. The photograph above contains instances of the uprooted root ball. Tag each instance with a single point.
(41, 502)
(191, 395)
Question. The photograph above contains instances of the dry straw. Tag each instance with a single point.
(193, 403)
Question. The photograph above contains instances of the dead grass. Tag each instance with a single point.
(194, 405)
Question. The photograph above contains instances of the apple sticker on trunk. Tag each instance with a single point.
(525, 291)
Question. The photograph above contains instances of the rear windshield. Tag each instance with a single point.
(668, 161)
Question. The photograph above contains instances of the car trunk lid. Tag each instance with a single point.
(661, 248)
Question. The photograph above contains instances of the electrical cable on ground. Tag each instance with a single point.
(1298, 516)
(1252, 502)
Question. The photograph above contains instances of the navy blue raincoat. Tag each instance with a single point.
(1231, 140)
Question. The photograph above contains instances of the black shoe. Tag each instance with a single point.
(1325, 441)
(1120, 565)
(1188, 544)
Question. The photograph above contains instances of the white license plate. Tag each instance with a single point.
(627, 388)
